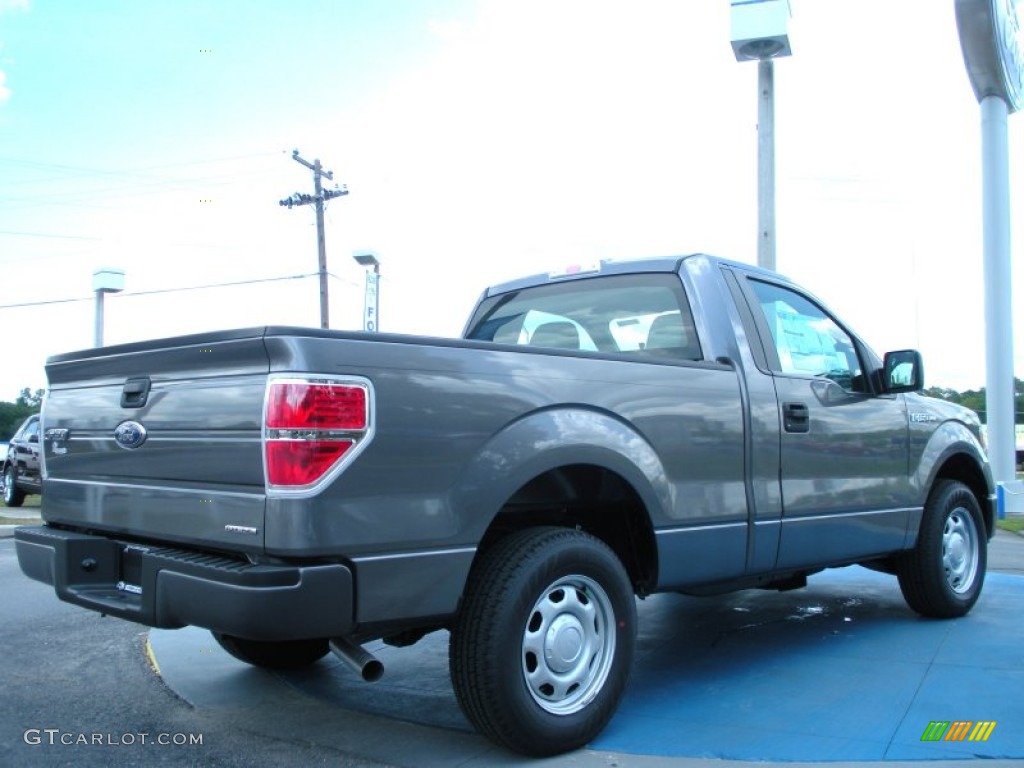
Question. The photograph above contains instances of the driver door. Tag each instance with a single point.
(844, 448)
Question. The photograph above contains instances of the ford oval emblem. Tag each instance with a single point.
(130, 435)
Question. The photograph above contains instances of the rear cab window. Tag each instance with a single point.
(645, 316)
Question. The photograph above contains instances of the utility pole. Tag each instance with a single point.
(318, 198)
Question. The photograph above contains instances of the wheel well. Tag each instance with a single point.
(963, 468)
(593, 499)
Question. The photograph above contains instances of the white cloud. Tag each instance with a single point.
(5, 7)
(447, 31)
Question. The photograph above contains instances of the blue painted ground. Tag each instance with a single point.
(839, 671)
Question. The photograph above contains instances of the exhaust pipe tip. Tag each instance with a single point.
(372, 671)
(358, 658)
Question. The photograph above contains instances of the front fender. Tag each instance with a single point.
(548, 439)
(950, 440)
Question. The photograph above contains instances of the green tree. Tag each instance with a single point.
(31, 399)
(12, 414)
(975, 399)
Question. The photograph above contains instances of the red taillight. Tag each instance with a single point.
(302, 462)
(316, 406)
(310, 426)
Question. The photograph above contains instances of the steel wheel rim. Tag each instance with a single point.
(568, 645)
(8, 486)
(960, 550)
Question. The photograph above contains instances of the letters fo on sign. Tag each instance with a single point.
(370, 304)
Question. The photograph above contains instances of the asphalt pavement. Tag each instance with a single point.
(840, 672)
(78, 690)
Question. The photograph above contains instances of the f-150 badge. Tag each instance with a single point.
(57, 438)
(130, 434)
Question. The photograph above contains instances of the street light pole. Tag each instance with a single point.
(104, 281)
(760, 32)
(97, 336)
(766, 164)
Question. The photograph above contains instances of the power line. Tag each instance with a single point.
(143, 179)
(131, 172)
(163, 290)
(219, 285)
(44, 234)
(79, 196)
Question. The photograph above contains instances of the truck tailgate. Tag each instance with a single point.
(160, 439)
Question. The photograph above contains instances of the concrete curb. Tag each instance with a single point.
(29, 516)
(32, 513)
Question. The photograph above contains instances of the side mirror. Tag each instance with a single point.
(33, 438)
(903, 371)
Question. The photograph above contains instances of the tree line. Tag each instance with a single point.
(975, 399)
(12, 414)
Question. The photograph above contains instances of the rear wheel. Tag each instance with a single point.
(943, 575)
(543, 644)
(281, 654)
(13, 496)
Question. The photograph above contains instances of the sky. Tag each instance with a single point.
(480, 140)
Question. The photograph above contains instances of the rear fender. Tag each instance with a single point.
(553, 438)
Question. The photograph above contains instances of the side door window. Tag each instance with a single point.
(807, 340)
(32, 428)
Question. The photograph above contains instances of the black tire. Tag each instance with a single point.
(942, 576)
(13, 495)
(282, 654)
(538, 593)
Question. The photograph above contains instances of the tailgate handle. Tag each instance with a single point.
(135, 392)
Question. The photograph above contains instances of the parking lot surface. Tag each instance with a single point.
(841, 671)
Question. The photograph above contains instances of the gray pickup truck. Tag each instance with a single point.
(688, 424)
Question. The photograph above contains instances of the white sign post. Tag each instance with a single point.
(990, 40)
(370, 302)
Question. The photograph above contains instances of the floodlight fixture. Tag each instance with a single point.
(760, 29)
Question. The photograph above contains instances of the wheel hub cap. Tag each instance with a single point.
(568, 645)
(563, 643)
(955, 553)
(960, 550)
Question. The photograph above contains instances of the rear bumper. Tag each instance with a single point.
(169, 588)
